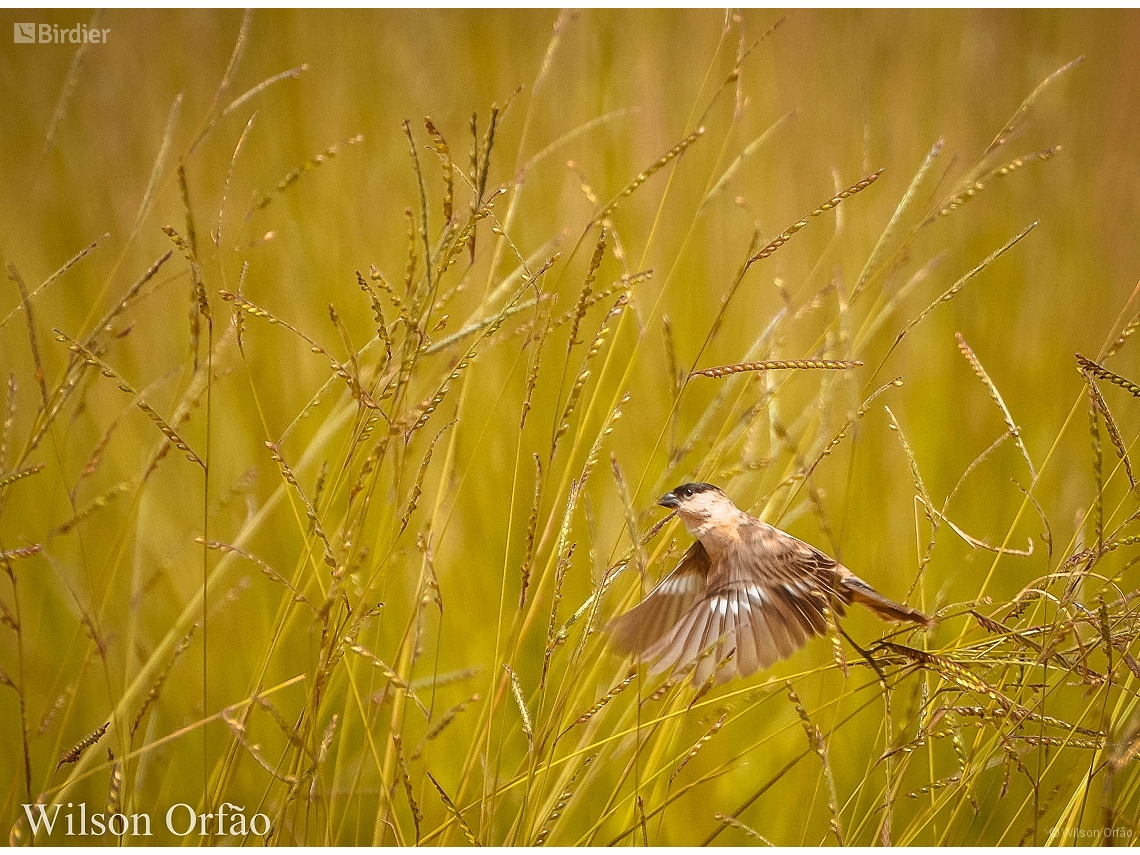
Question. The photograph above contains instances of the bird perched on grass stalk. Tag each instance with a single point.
(745, 592)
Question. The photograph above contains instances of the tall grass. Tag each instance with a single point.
(327, 527)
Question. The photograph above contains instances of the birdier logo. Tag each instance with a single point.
(52, 34)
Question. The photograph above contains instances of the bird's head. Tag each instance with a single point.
(700, 505)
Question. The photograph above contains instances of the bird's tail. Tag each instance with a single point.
(863, 593)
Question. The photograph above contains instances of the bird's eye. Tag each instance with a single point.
(687, 492)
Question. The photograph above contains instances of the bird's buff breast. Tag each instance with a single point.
(717, 536)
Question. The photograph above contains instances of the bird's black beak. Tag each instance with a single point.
(669, 501)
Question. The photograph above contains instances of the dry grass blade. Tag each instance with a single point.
(531, 531)
(976, 542)
(343, 372)
(587, 287)
(603, 701)
(238, 731)
(953, 290)
(933, 786)
(9, 478)
(958, 675)
(520, 702)
(288, 74)
(20, 552)
(698, 745)
(310, 511)
(1113, 429)
(977, 185)
(563, 800)
(389, 675)
(837, 654)
(916, 476)
(159, 163)
(217, 236)
(584, 371)
(1059, 741)
(444, 721)
(629, 512)
(345, 340)
(69, 83)
(435, 681)
(1098, 370)
(819, 746)
(25, 300)
(170, 433)
(100, 501)
(745, 154)
(131, 295)
(9, 417)
(236, 312)
(1121, 340)
(417, 487)
(1098, 473)
(1014, 430)
(155, 690)
(565, 553)
(73, 754)
(264, 567)
(539, 330)
(407, 125)
(648, 173)
(377, 313)
(199, 302)
(96, 456)
(292, 177)
(624, 283)
(47, 283)
(184, 195)
(872, 266)
(1014, 123)
(115, 786)
(733, 822)
(405, 777)
(235, 57)
(772, 365)
(786, 235)
(227, 79)
(444, 153)
(323, 751)
(733, 77)
(453, 810)
(672, 366)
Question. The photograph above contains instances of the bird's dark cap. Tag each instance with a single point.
(674, 497)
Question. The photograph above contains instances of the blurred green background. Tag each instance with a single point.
(861, 90)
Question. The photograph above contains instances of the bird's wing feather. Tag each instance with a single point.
(766, 596)
(662, 608)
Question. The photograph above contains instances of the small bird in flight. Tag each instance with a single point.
(744, 586)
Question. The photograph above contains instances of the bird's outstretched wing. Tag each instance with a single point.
(766, 596)
(644, 624)
(760, 601)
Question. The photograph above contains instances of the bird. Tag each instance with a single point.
(743, 596)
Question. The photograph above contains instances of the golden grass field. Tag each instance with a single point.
(332, 435)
